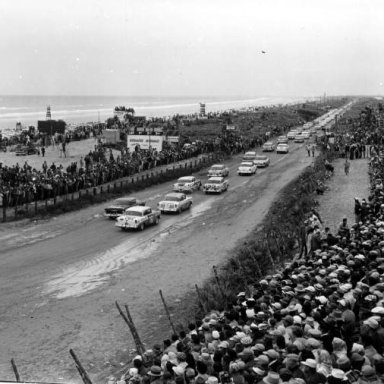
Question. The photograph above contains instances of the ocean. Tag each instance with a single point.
(83, 109)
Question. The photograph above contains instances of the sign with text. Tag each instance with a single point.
(145, 141)
(173, 139)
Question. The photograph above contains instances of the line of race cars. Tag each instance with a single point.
(132, 213)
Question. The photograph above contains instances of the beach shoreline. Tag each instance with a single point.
(77, 111)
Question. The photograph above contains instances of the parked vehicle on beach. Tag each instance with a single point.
(282, 148)
(218, 170)
(261, 161)
(246, 168)
(23, 150)
(119, 206)
(216, 185)
(175, 202)
(187, 184)
(269, 146)
(138, 217)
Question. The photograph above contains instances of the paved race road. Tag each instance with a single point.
(59, 278)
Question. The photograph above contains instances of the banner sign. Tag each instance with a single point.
(173, 139)
(145, 141)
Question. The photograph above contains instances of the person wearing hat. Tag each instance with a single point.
(292, 363)
(337, 376)
(155, 374)
(285, 375)
(310, 373)
(368, 376)
(272, 378)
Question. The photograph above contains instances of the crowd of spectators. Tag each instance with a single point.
(23, 183)
(319, 320)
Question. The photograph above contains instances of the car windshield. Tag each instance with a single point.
(261, 158)
(134, 213)
(214, 181)
(217, 167)
(172, 198)
(246, 164)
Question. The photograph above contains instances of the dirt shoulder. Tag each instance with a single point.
(338, 200)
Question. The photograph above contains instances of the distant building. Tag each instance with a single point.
(48, 114)
(202, 109)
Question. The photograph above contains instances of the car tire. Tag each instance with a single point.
(189, 206)
(157, 220)
(141, 227)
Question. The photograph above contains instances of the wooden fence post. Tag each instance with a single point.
(83, 373)
(15, 371)
(167, 312)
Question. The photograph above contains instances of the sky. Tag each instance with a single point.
(192, 47)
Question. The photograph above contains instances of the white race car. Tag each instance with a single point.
(175, 202)
(216, 185)
(299, 138)
(291, 134)
(247, 168)
(282, 148)
(138, 217)
(282, 140)
(269, 146)
(218, 170)
(187, 184)
(261, 161)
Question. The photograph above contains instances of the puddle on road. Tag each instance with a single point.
(82, 277)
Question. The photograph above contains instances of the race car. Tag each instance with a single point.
(119, 206)
(218, 170)
(216, 185)
(138, 217)
(282, 140)
(269, 146)
(187, 184)
(175, 202)
(246, 168)
(261, 161)
(282, 148)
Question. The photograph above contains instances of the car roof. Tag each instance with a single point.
(268, 142)
(283, 144)
(137, 208)
(218, 165)
(216, 178)
(250, 153)
(247, 162)
(186, 178)
(261, 157)
(174, 194)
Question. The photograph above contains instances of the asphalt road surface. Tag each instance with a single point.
(59, 278)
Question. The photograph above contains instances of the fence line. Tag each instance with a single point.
(137, 181)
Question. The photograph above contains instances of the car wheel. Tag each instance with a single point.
(141, 227)
(157, 220)
(178, 211)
